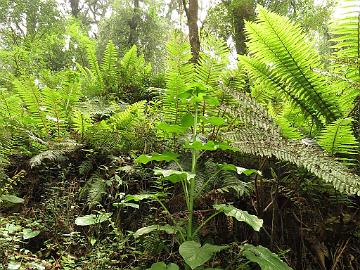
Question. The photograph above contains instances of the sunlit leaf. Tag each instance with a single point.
(92, 219)
(231, 211)
(174, 176)
(29, 233)
(196, 255)
(167, 156)
(264, 258)
(146, 230)
(163, 266)
(11, 198)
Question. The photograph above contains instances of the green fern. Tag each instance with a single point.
(346, 36)
(31, 96)
(287, 60)
(55, 114)
(257, 133)
(338, 138)
(109, 67)
(180, 74)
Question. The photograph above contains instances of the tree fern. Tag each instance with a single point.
(281, 45)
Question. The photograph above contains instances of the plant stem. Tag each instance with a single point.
(192, 180)
(171, 217)
(205, 222)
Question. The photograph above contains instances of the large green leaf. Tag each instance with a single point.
(174, 176)
(29, 233)
(264, 258)
(141, 197)
(196, 255)
(167, 156)
(231, 211)
(11, 198)
(92, 219)
(238, 170)
(145, 230)
(163, 266)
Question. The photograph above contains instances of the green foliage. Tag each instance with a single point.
(196, 255)
(287, 62)
(338, 138)
(346, 39)
(163, 266)
(240, 215)
(264, 258)
(258, 134)
(92, 219)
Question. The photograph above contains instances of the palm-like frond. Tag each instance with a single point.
(281, 45)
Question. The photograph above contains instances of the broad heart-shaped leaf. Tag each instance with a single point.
(166, 156)
(11, 198)
(29, 233)
(92, 219)
(140, 197)
(163, 266)
(231, 211)
(145, 230)
(174, 176)
(172, 129)
(264, 258)
(214, 120)
(239, 170)
(208, 146)
(126, 204)
(196, 255)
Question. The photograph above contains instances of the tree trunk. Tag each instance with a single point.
(245, 10)
(75, 7)
(133, 24)
(192, 18)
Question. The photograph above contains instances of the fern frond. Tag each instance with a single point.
(95, 189)
(55, 114)
(261, 72)
(81, 123)
(279, 43)
(50, 155)
(109, 67)
(337, 138)
(32, 98)
(94, 67)
(181, 73)
(346, 36)
(212, 62)
(261, 136)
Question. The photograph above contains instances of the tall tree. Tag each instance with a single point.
(191, 12)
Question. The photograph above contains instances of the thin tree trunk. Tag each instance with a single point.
(133, 24)
(192, 18)
(75, 7)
